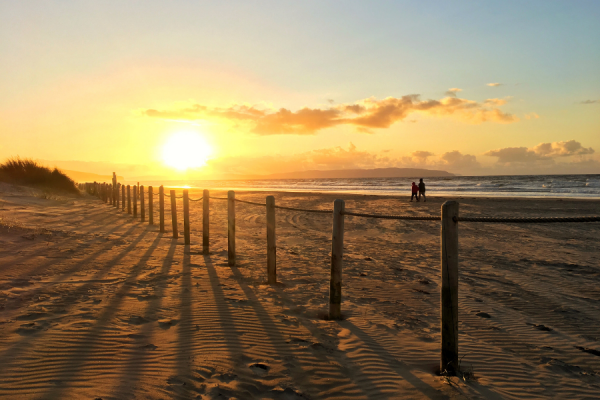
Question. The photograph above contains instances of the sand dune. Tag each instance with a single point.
(97, 305)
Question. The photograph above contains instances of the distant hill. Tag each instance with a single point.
(79, 176)
(358, 173)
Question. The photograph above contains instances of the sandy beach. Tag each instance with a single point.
(95, 304)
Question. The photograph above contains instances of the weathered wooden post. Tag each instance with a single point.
(449, 288)
(161, 207)
(337, 253)
(205, 223)
(186, 217)
(271, 242)
(174, 214)
(142, 204)
(123, 202)
(135, 200)
(117, 195)
(231, 228)
(150, 206)
(128, 199)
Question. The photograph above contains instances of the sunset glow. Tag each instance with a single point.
(185, 150)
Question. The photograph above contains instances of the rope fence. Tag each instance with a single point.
(449, 219)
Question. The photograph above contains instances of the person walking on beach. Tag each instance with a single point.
(415, 191)
(422, 190)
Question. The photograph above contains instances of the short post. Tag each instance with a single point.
(174, 213)
(337, 253)
(123, 202)
(186, 217)
(271, 242)
(117, 195)
(142, 204)
(135, 200)
(205, 224)
(161, 207)
(128, 199)
(150, 206)
(231, 228)
(449, 289)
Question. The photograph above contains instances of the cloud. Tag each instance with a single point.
(543, 152)
(531, 116)
(365, 114)
(458, 161)
(590, 102)
(421, 155)
(496, 84)
(452, 92)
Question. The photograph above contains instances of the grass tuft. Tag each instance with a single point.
(28, 172)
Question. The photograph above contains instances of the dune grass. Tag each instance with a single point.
(28, 172)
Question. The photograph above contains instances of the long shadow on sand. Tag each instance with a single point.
(9, 356)
(84, 348)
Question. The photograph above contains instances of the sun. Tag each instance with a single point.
(185, 150)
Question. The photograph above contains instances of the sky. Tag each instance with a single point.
(208, 89)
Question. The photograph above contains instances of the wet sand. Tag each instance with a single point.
(95, 304)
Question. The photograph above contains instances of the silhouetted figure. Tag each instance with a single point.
(415, 192)
(422, 190)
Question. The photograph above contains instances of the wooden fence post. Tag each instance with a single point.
(161, 207)
(114, 192)
(135, 200)
(128, 199)
(337, 253)
(231, 228)
(174, 214)
(186, 217)
(142, 204)
(449, 289)
(117, 195)
(271, 242)
(150, 206)
(205, 223)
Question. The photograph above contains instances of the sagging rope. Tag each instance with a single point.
(251, 202)
(530, 220)
(190, 199)
(218, 198)
(383, 216)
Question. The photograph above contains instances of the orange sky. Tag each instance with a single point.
(107, 92)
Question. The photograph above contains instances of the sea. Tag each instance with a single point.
(538, 186)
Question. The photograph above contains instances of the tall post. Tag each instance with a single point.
(135, 200)
(123, 202)
(142, 204)
(174, 214)
(186, 217)
(117, 195)
(271, 242)
(128, 199)
(205, 223)
(449, 288)
(337, 253)
(114, 193)
(231, 228)
(150, 206)
(161, 206)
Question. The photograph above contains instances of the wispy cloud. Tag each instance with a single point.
(452, 92)
(590, 102)
(365, 114)
(531, 115)
(496, 84)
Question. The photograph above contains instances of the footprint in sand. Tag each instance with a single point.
(259, 369)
